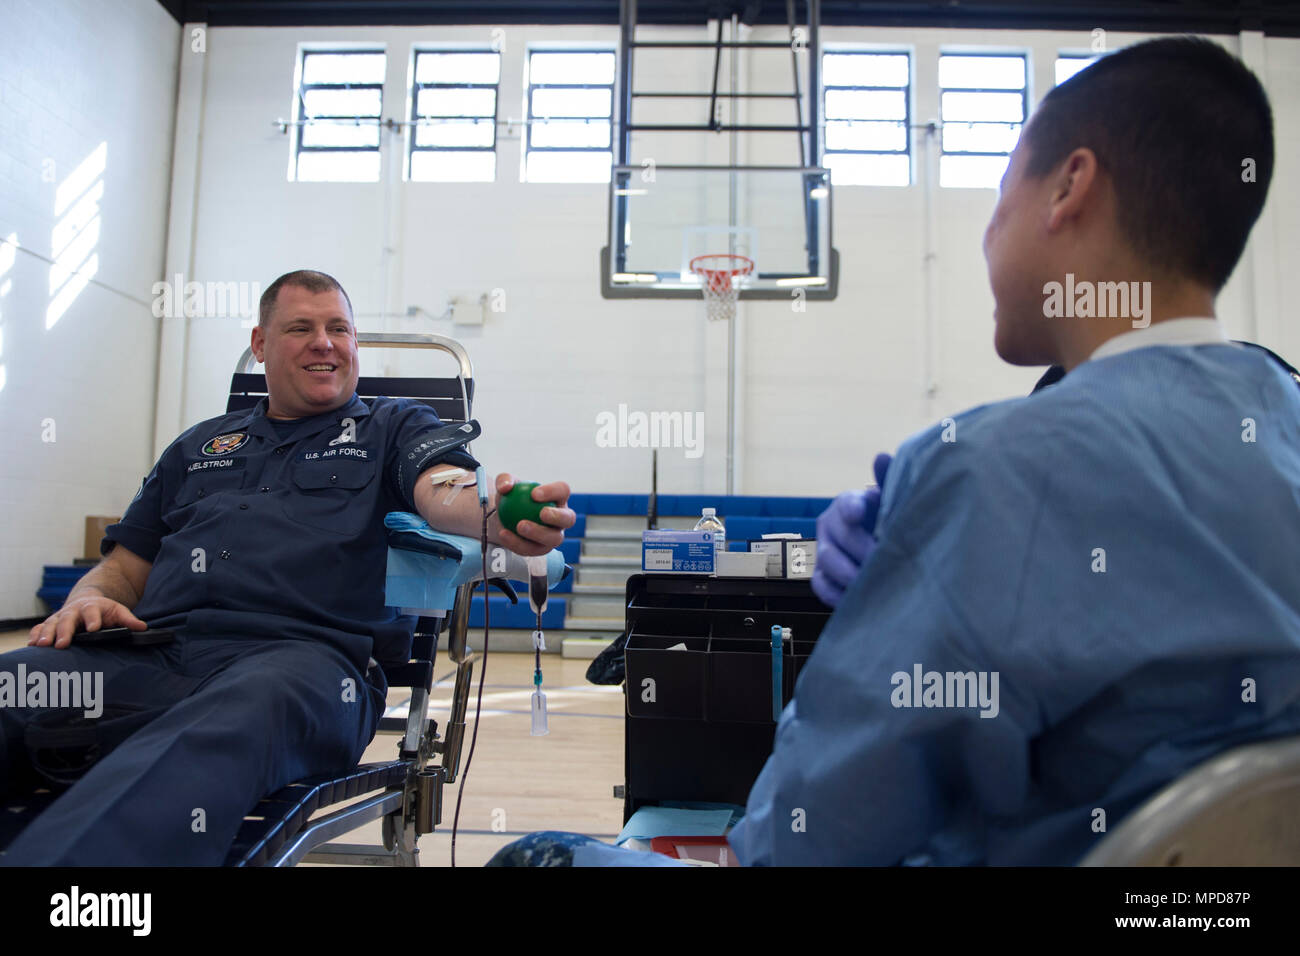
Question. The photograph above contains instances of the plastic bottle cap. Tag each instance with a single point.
(710, 511)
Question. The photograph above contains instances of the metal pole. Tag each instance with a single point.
(733, 147)
(618, 216)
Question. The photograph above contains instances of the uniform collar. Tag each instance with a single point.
(257, 423)
(1193, 331)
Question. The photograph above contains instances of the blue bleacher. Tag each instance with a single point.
(57, 581)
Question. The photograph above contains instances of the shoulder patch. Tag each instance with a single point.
(225, 444)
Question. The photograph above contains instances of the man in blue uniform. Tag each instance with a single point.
(1067, 600)
(259, 536)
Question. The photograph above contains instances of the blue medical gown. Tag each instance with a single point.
(1111, 682)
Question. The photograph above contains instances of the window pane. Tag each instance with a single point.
(457, 67)
(1067, 66)
(339, 167)
(865, 69)
(866, 136)
(453, 167)
(455, 133)
(866, 104)
(343, 68)
(972, 171)
(990, 107)
(982, 72)
(569, 167)
(341, 103)
(588, 68)
(979, 137)
(345, 133)
(572, 102)
(449, 102)
(558, 133)
(848, 169)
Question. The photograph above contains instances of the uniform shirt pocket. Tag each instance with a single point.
(202, 486)
(332, 495)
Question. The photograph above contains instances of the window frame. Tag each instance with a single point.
(1023, 56)
(907, 111)
(531, 118)
(1061, 55)
(417, 121)
(300, 108)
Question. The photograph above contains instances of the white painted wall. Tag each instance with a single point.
(77, 76)
(821, 392)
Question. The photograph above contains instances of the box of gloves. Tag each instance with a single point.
(677, 552)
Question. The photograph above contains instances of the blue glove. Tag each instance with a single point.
(846, 536)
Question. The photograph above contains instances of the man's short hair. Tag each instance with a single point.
(304, 279)
(1185, 132)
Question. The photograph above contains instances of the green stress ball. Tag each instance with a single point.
(518, 505)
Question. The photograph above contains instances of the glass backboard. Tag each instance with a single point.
(661, 217)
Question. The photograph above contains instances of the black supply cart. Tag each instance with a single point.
(699, 721)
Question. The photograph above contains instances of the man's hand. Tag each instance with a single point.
(533, 538)
(846, 537)
(94, 611)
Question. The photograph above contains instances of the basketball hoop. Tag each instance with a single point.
(718, 273)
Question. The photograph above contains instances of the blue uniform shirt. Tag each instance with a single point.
(272, 529)
(1121, 550)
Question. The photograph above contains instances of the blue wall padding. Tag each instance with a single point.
(746, 528)
(603, 504)
(521, 616)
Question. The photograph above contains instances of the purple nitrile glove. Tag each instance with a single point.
(846, 536)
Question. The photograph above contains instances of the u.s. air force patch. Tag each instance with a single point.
(225, 444)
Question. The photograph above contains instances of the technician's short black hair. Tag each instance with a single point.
(1185, 132)
(307, 279)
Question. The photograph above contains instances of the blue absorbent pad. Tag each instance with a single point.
(650, 822)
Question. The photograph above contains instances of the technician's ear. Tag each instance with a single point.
(1073, 188)
(258, 342)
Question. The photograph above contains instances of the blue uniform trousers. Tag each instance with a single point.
(245, 717)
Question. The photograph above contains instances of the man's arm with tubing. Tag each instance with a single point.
(454, 509)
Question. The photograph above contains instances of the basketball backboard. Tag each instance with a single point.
(661, 217)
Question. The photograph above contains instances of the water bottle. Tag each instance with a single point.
(709, 521)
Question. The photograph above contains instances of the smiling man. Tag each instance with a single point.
(259, 537)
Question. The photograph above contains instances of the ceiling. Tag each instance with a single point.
(1275, 17)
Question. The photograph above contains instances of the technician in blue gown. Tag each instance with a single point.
(1072, 598)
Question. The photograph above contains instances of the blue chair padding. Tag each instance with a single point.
(505, 614)
(571, 548)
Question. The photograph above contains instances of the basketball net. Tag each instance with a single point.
(718, 278)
